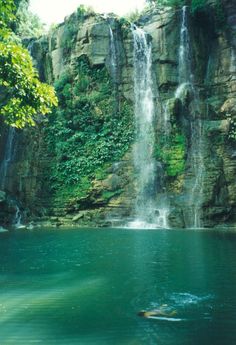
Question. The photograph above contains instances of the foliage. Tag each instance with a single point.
(232, 127)
(28, 24)
(107, 195)
(220, 14)
(72, 25)
(172, 152)
(22, 95)
(69, 34)
(83, 10)
(125, 24)
(7, 9)
(101, 173)
(84, 132)
(75, 192)
(133, 16)
(195, 6)
(167, 2)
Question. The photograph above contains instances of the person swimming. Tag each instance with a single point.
(157, 312)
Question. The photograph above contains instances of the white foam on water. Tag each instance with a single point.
(163, 318)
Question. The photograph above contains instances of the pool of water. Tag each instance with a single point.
(86, 286)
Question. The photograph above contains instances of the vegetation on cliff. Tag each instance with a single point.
(85, 133)
(72, 25)
(197, 6)
(172, 152)
(194, 4)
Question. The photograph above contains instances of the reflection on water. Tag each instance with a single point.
(85, 287)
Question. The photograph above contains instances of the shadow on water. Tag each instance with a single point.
(86, 287)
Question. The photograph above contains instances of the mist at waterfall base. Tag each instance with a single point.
(85, 287)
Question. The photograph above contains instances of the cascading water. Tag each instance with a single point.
(113, 55)
(185, 74)
(8, 157)
(4, 169)
(186, 82)
(147, 214)
(17, 218)
(165, 121)
(114, 64)
(232, 68)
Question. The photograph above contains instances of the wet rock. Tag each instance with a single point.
(2, 196)
(175, 218)
(78, 216)
(3, 229)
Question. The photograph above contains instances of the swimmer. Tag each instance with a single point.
(157, 312)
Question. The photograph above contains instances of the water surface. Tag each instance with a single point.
(86, 286)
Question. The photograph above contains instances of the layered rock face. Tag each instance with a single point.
(195, 122)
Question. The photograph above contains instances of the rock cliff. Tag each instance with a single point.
(77, 167)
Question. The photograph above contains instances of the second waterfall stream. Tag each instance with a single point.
(187, 83)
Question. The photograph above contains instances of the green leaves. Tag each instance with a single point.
(172, 152)
(27, 24)
(170, 2)
(85, 134)
(7, 15)
(232, 127)
(197, 5)
(24, 95)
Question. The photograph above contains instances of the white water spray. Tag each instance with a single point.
(17, 218)
(113, 55)
(185, 61)
(232, 68)
(147, 214)
(186, 83)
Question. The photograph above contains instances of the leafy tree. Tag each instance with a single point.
(7, 8)
(28, 24)
(22, 95)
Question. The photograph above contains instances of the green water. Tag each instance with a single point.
(86, 286)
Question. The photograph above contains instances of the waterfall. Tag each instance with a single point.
(186, 83)
(147, 215)
(114, 66)
(17, 217)
(166, 121)
(198, 168)
(185, 61)
(4, 168)
(113, 55)
(8, 156)
(232, 68)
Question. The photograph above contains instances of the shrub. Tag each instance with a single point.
(85, 134)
